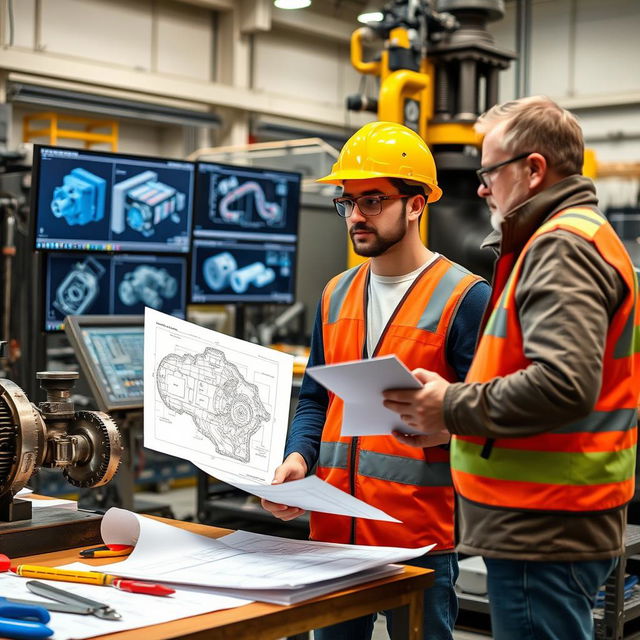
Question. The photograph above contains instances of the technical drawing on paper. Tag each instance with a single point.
(224, 406)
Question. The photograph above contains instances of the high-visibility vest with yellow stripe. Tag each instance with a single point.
(585, 466)
(413, 485)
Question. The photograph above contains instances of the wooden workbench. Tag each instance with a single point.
(261, 621)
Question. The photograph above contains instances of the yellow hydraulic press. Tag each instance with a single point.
(438, 71)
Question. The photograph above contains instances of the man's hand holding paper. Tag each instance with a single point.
(421, 409)
(293, 468)
(360, 384)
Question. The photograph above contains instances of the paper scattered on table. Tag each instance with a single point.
(306, 592)
(240, 560)
(41, 502)
(213, 399)
(360, 384)
(60, 503)
(137, 610)
(312, 494)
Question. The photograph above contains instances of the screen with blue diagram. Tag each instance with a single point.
(245, 234)
(119, 284)
(91, 201)
(235, 271)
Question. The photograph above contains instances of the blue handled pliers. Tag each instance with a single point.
(23, 620)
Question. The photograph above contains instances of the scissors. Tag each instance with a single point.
(65, 602)
(23, 620)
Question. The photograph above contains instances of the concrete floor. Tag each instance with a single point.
(183, 504)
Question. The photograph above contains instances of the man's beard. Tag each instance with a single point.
(496, 220)
(380, 245)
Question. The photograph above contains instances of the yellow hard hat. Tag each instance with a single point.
(386, 150)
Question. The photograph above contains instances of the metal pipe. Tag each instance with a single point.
(523, 47)
(468, 91)
(8, 252)
(491, 88)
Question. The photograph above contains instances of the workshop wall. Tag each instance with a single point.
(584, 53)
(145, 35)
(294, 64)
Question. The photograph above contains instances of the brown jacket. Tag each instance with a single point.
(566, 296)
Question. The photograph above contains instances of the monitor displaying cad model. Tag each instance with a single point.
(101, 201)
(246, 201)
(245, 234)
(119, 284)
(224, 271)
(110, 351)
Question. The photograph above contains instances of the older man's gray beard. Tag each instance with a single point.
(496, 219)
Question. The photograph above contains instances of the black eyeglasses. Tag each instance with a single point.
(367, 205)
(483, 172)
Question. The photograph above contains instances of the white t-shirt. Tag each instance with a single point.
(385, 293)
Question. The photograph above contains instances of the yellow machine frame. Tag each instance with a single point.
(56, 127)
(396, 87)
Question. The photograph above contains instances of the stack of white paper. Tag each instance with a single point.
(41, 502)
(244, 564)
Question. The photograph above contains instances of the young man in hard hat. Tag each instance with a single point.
(408, 301)
(545, 444)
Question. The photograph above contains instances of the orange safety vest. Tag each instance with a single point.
(413, 485)
(585, 466)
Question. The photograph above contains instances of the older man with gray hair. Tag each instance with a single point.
(544, 427)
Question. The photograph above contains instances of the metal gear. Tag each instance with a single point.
(22, 438)
(105, 450)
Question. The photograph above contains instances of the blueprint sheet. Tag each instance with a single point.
(240, 560)
(213, 399)
(311, 494)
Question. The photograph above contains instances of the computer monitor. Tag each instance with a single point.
(226, 271)
(110, 351)
(119, 284)
(245, 234)
(100, 201)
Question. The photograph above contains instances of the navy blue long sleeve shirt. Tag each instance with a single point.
(306, 428)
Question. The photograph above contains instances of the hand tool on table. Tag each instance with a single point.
(67, 602)
(23, 620)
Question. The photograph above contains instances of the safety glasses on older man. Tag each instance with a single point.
(483, 172)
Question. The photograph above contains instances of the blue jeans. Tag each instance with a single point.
(544, 600)
(440, 605)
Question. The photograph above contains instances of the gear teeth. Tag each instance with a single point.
(8, 443)
(105, 426)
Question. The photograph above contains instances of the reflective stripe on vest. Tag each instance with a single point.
(387, 467)
(400, 480)
(587, 465)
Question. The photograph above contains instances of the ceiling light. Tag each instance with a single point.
(291, 4)
(371, 13)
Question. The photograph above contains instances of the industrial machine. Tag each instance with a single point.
(86, 445)
(438, 70)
